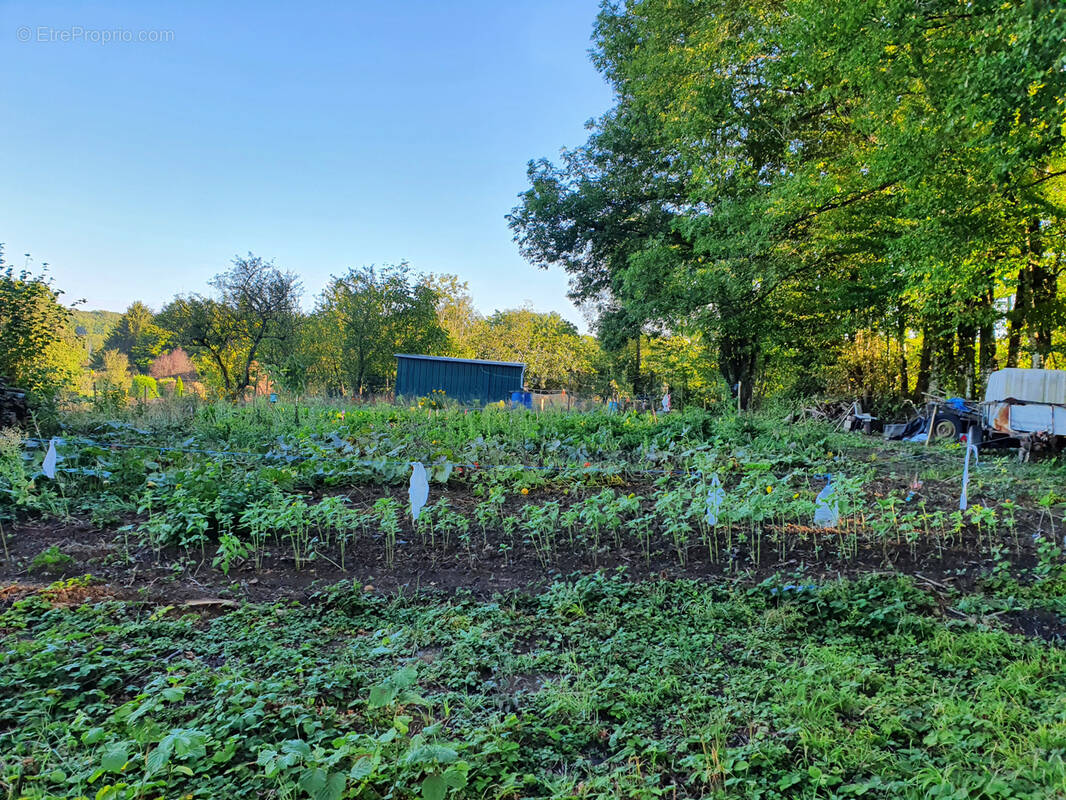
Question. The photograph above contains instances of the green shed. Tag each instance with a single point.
(465, 379)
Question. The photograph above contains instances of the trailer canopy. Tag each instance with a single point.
(1027, 386)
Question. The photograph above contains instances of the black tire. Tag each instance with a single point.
(947, 426)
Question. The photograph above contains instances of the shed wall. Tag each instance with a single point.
(466, 381)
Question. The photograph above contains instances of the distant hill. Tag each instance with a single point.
(97, 325)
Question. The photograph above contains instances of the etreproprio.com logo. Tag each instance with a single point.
(77, 33)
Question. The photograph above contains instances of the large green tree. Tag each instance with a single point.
(367, 316)
(254, 317)
(781, 175)
(38, 350)
(555, 354)
(138, 336)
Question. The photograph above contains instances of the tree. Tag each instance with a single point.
(174, 364)
(456, 314)
(371, 314)
(138, 336)
(781, 176)
(255, 315)
(555, 354)
(143, 387)
(38, 350)
(114, 373)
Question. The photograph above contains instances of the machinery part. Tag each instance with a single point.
(947, 426)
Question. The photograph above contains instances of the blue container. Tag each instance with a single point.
(522, 399)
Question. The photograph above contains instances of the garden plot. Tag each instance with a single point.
(243, 605)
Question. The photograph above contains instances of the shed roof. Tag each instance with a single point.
(464, 360)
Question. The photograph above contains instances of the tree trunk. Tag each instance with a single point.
(987, 341)
(965, 360)
(1043, 286)
(1017, 316)
(634, 376)
(945, 370)
(925, 361)
(904, 380)
(737, 358)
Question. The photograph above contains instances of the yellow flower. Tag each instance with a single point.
(525, 490)
(769, 489)
(797, 494)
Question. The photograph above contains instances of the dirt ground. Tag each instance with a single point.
(131, 569)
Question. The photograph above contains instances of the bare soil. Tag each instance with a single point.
(124, 565)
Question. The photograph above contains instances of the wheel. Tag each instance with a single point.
(947, 426)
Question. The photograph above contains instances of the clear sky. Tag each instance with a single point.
(322, 135)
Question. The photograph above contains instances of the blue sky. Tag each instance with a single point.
(323, 135)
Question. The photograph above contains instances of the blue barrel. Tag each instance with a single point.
(522, 399)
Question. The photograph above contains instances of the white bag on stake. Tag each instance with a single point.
(48, 467)
(418, 492)
(966, 474)
(715, 496)
(826, 509)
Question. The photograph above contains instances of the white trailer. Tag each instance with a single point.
(1025, 401)
(1024, 408)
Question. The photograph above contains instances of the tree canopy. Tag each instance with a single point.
(779, 176)
(254, 315)
(38, 349)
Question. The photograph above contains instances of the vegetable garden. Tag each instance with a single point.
(236, 601)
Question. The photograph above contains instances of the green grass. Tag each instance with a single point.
(595, 688)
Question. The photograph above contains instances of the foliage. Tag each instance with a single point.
(779, 177)
(138, 336)
(457, 315)
(369, 315)
(38, 350)
(254, 315)
(173, 364)
(97, 326)
(593, 688)
(143, 387)
(555, 355)
(114, 373)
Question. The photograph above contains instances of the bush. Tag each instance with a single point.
(144, 387)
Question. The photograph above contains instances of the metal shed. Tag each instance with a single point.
(465, 379)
